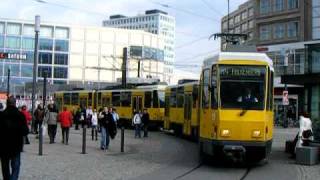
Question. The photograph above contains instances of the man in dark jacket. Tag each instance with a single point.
(39, 115)
(145, 120)
(13, 128)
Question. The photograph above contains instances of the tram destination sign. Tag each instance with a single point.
(13, 56)
(241, 71)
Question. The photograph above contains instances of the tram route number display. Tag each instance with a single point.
(15, 56)
(241, 72)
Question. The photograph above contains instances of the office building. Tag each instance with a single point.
(153, 21)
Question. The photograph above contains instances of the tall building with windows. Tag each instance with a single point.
(78, 54)
(153, 21)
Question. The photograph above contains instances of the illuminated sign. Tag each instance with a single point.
(241, 71)
(14, 56)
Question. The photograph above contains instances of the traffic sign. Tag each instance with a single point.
(285, 98)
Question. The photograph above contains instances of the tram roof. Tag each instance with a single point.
(234, 56)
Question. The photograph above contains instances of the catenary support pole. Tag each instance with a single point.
(84, 138)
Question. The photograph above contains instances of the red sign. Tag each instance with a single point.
(16, 56)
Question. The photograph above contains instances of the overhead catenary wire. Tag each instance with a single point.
(193, 41)
(186, 12)
(212, 8)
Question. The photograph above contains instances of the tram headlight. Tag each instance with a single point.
(256, 133)
(225, 133)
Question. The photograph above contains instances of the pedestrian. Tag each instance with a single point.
(145, 121)
(107, 128)
(65, 119)
(28, 118)
(89, 113)
(100, 116)
(115, 116)
(83, 116)
(51, 119)
(136, 122)
(39, 115)
(77, 116)
(94, 125)
(13, 128)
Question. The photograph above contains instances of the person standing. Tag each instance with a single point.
(77, 116)
(51, 119)
(83, 116)
(94, 125)
(115, 116)
(65, 118)
(13, 128)
(28, 118)
(145, 121)
(39, 115)
(104, 142)
(89, 113)
(136, 122)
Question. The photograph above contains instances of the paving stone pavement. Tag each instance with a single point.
(66, 161)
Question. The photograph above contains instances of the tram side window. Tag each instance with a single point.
(106, 101)
(205, 91)
(126, 99)
(195, 96)
(161, 97)
(180, 97)
(270, 91)
(66, 98)
(116, 98)
(173, 98)
(155, 100)
(147, 99)
(75, 98)
(99, 99)
(214, 93)
(90, 100)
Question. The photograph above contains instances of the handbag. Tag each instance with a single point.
(307, 134)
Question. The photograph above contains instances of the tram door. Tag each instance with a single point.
(187, 114)
(136, 103)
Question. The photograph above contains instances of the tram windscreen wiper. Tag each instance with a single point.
(245, 108)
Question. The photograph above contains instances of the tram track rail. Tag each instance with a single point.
(188, 172)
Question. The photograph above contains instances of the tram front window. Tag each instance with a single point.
(242, 87)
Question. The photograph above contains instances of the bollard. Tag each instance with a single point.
(122, 139)
(84, 138)
(40, 139)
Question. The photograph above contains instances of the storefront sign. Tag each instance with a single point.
(13, 56)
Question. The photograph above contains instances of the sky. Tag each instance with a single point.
(196, 20)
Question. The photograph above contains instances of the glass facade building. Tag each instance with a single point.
(18, 37)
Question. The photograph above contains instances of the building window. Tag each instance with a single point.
(61, 59)
(62, 33)
(13, 42)
(1, 41)
(237, 30)
(231, 22)
(244, 15)
(30, 56)
(279, 5)
(278, 31)
(293, 4)
(26, 70)
(14, 69)
(28, 43)
(250, 24)
(244, 27)
(250, 35)
(237, 19)
(265, 6)
(61, 45)
(46, 44)
(28, 30)
(292, 29)
(265, 33)
(46, 32)
(251, 12)
(60, 72)
(14, 29)
(42, 70)
(1, 28)
(45, 58)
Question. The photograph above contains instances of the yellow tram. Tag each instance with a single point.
(236, 105)
(181, 109)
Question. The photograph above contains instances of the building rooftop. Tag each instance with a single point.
(148, 12)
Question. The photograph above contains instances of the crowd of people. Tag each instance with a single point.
(16, 123)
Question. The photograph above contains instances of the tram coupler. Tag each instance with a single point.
(235, 153)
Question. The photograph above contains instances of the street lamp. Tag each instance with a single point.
(35, 64)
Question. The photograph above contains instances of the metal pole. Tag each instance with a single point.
(8, 84)
(84, 134)
(139, 64)
(122, 138)
(44, 95)
(35, 67)
(124, 67)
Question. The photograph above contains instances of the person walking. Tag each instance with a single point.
(145, 121)
(89, 113)
(13, 128)
(115, 116)
(39, 115)
(94, 125)
(107, 128)
(83, 116)
(77, 116)
(65, 119)
(51, 119)
(28, 118)
(136, 122)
